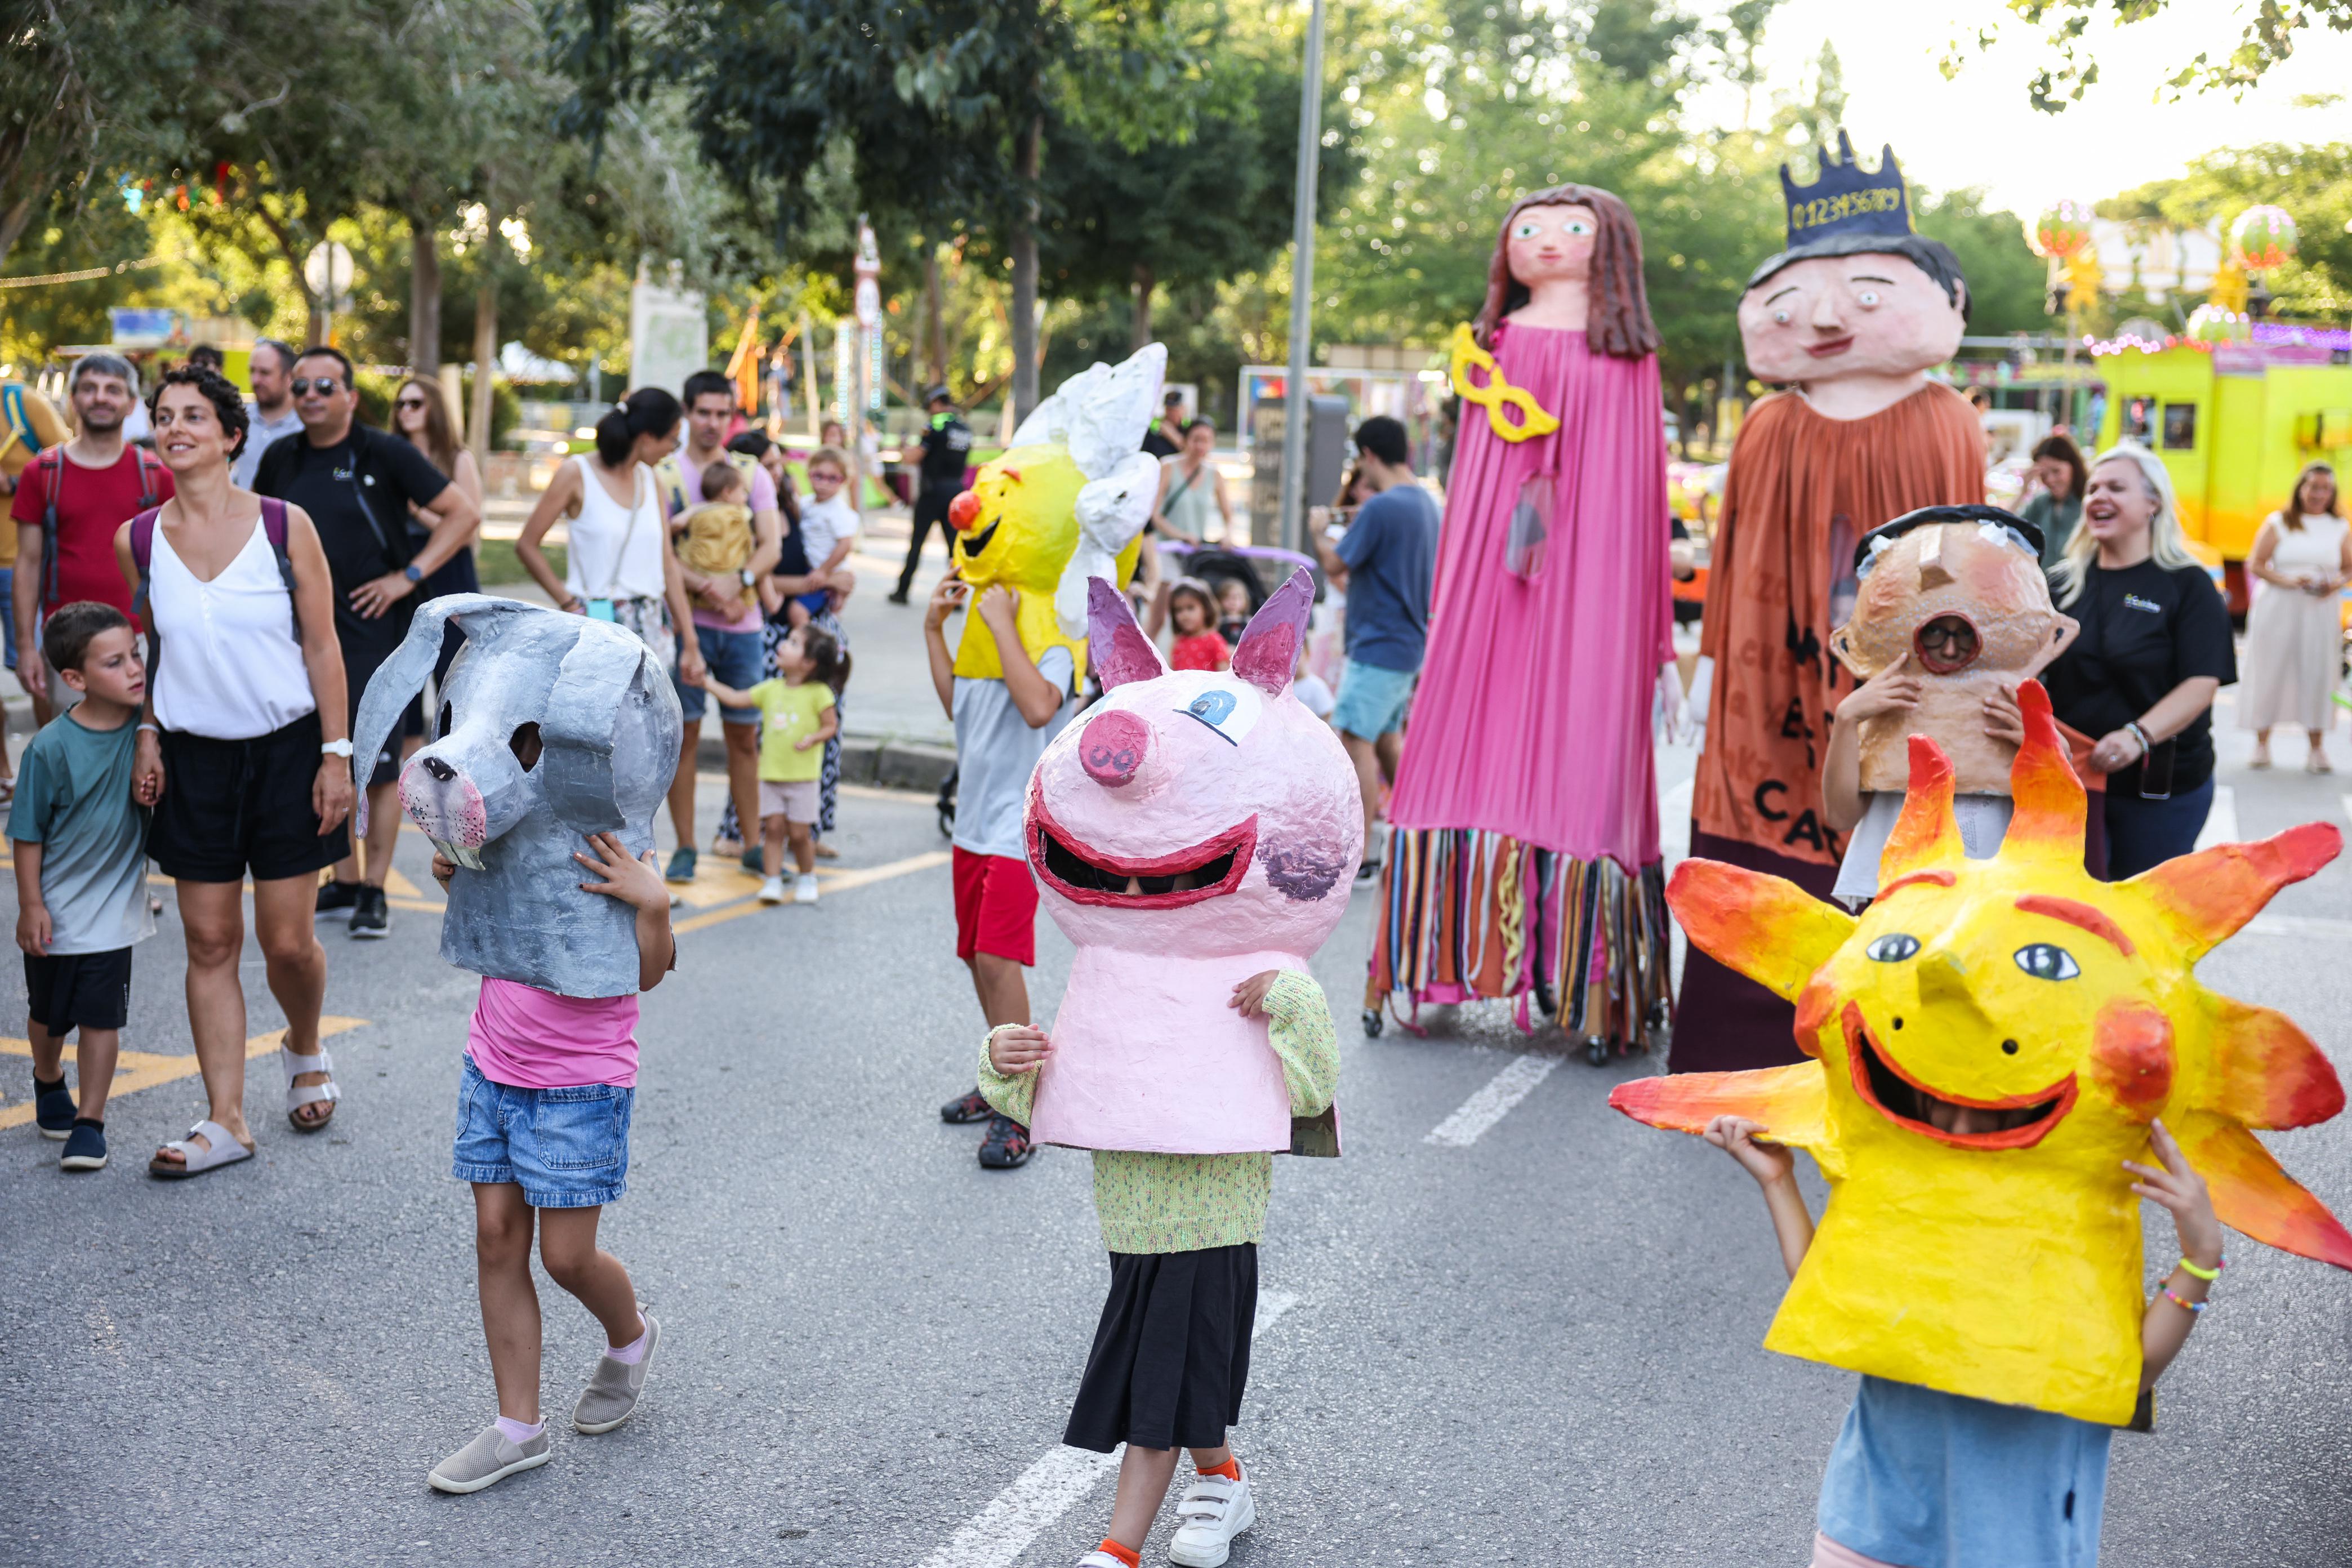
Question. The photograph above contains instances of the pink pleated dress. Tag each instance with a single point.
(1526, 856)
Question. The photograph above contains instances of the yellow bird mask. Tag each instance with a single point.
(2004, 1264)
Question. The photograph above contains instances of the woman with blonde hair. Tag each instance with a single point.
(2295, 634)
(2154, 650)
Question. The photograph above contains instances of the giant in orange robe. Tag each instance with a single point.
(1802, 488)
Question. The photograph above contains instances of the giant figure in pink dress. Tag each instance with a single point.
(1524, 861)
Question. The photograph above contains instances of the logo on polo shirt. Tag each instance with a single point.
(2133, 602)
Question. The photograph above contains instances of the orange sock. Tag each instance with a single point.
(1231, 1469)
(1132, 1559)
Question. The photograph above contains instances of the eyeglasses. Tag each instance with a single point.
(324, 385)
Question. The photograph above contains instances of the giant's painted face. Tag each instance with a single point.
(1193, 812)
(1991, 1040)
(1830, 316)
(1553, 240)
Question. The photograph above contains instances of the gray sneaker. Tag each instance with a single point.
(613, 1391)
(488, 1459)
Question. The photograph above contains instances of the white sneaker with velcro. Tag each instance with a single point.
(1213, 1511)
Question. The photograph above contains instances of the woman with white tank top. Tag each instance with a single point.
(242, 753)
(619, 565)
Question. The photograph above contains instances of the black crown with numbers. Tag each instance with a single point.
(1847, 199)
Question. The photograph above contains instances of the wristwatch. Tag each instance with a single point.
(412, 574)
(335, 749)
(747, 579)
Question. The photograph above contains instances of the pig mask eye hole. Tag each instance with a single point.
(524, 744)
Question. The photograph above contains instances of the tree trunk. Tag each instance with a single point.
(1024, 273)
(934, 303)
(485, 366)
(1144, 280)
(424, 298)
(13, 223)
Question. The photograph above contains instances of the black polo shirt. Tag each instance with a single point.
(2146, 629)
(358, 493)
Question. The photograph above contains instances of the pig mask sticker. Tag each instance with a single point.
(1990, 1040)
(550, 726)
(1190, 830)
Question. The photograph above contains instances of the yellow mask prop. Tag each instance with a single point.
(1066, 503)
(1990, 1040)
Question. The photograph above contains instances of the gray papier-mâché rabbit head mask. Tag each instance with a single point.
(550, 726)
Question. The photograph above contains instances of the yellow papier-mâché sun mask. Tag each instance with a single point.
(1066, 503)
(2063, 1016)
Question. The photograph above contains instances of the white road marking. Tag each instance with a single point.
(2221, 821)
(2298, 925)
(1004, 1530)
(1047, 1489)
(2347, 804)
(1492, 1104)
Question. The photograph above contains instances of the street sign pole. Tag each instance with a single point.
(1290, 528)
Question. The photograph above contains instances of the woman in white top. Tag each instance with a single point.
(2295, 636)
(619, 566)
(243, 753)
(1191, 490)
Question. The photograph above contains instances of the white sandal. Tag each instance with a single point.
(225, 1149)
(300, 1095)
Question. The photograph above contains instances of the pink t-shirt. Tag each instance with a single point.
(763, 499)
(528, 1039)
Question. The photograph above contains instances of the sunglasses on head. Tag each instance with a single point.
(324, 385)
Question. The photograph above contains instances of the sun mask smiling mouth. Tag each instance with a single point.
(1088, 875)
(974, 544)
(2018, 1121)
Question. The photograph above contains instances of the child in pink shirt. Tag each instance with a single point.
(543, 1136)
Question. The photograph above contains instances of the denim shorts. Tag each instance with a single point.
(737, 659)
(1371, 700)
(566, 1147)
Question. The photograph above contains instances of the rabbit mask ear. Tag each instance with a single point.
(402, 676)
(583, 715)
(1268, 655)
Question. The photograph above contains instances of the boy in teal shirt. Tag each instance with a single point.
(80, 845)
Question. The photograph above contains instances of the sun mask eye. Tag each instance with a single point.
(2047, 961)
(1229, 708)
(1892, 948)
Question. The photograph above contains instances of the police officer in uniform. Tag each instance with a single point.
(947, 453)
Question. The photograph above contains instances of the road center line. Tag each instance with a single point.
(135, 1071)
(1047, 1489)
(1493, 1102)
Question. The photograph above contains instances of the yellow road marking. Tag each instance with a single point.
(135, 1071)
(830, 883)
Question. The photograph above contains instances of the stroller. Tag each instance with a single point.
(1259, 569)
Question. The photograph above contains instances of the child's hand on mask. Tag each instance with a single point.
(1737, 1136)
(1014, 1048)
(1249, 996)
(443, 868)
(1895, 689)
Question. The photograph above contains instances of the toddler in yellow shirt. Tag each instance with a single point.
(797, 716)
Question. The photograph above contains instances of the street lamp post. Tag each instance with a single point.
(1290, 527)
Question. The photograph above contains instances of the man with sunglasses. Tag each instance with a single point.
(357, 484)
(69, 503)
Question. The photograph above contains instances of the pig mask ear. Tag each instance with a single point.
(583, 714)
(1268, 655)
(1118, 647)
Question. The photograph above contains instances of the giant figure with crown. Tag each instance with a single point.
(1848, 319)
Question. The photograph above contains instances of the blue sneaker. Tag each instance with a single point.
(85, 1146)
(681, 865)
(53, 1108)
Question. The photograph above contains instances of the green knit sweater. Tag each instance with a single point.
(1183, 1203)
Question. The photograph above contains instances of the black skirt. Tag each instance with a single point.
(1171, 1354)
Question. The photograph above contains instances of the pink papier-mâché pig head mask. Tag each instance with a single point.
(1197, 813)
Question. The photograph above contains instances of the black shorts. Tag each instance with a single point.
(234, 807)
(1171, 1354)
(66, 991)
(362, 660)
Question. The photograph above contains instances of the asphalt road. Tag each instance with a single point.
(1539, 1345)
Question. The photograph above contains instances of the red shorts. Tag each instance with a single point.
(996, 907)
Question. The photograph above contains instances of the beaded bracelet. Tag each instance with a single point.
(2207, 1274)
(2179, 1301)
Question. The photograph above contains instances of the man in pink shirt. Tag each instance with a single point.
(730, 634)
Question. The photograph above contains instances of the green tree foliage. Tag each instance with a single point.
(2267, 38)
(2314, 183)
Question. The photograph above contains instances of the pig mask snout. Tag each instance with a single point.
(1112, 749)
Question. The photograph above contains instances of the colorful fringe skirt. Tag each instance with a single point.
(1466, 914)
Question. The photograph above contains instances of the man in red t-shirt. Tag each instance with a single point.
(93, 484)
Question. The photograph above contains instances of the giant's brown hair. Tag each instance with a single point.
(1618, 323)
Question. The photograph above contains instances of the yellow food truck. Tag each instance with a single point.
(2235, 422)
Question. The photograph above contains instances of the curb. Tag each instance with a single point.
(865, 760)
